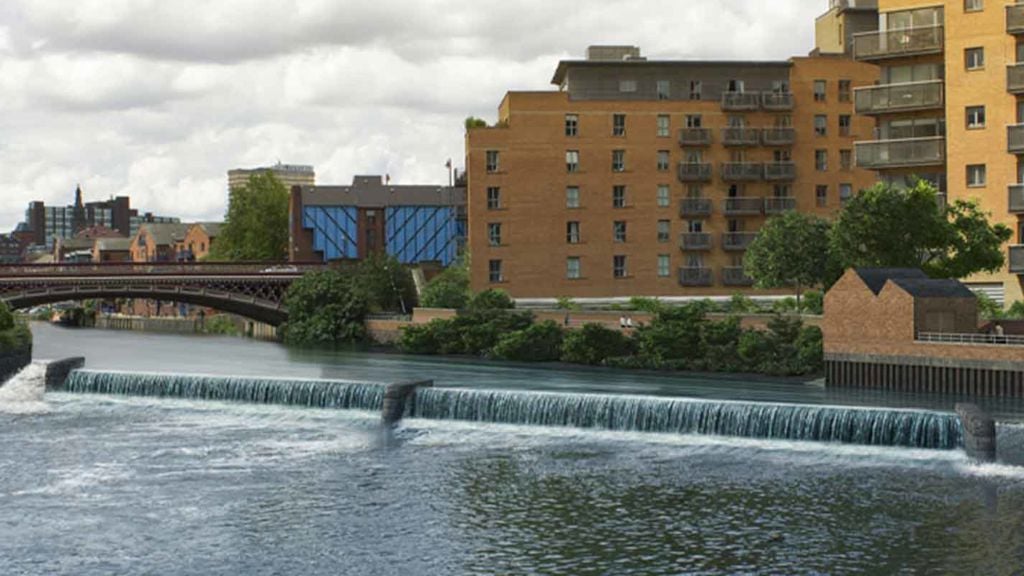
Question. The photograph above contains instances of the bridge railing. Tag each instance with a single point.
(160, 268)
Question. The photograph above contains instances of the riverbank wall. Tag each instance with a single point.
(12, 361)
(162, 325)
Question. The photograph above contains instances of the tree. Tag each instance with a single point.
(387, 283)
(889, 227)
(326, 308)
(256, 225)
(474, 122)
(449, 289)
(791, 250)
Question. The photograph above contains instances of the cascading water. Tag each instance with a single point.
(879, 427)
(23, 393)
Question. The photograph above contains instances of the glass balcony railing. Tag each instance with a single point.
(778, 205)
(694, 172)
(903, 97)
(736, 276)
(1017, 259)
(733, 171)
(910, 152)
(780, 171)
(741, 100)
(777, 101)
(1015, 19)
(1015, 78)
(778, 136)
(694, 137)
(692, 241)
(735, 241)
(1016, 198)
(741, 206)
(695, 276)
(1015, 138)
(741, 136)
(896, 43)
(695, 207)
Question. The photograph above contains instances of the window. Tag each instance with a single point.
(572, 125)
(492, 161)
(693, 121)
(494, 234)
(493, 198)
(572, 232)
(618, 196)
(780, 87)
(664, 89)
(820, 86)
(664, 126)
(695, 89)
(735, 86)
(627, 85)
(663, 160)
(974, 58)
(663, 196)
(846, 159)
(821, 195)
(494, 271)
(844, 90)
(821, 160)
(975, 175)
(618, 124)
(782, 191)
(618, 160)
(844, 124)
(975, 117)
(820, 125)
(845, 193)
(572, 160)
(572, 197)
(619, 231)
(973, 5)
(664, 230)
(619, 266)
(664, 265)
(572, 268)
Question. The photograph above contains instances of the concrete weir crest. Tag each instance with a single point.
(397, 397)
(979, 432)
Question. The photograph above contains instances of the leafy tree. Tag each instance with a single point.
(387, 283)
(814, 302)
(673, 334)
(256, 225)
(790, 251)
(474, 122)
(490, 299)
(642, 304)
(885, 226)
(6, 318)
(326, 308)
(539, 343)
(449, 289)
(566, 303)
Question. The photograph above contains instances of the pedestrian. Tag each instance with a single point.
(566, 321)
(629, 322)
(622, 321)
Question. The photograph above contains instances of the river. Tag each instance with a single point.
(100, 484)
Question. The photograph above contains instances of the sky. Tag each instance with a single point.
(158, 99)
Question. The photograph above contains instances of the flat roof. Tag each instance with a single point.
(372, 192)
(563, 65)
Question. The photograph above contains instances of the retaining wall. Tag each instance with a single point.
(12, 361)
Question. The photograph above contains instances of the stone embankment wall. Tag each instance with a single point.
(161, 325)
(12, 361)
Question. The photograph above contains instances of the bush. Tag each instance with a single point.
(649, 305)
(480, 331)
(422, 338)
(538, 343)
(449, 289)
(593, 344)
(673, 334)
(386, 283)
(741, 304)
(813, 302)
(17, 337)
(490, 299)
(6, 317)
(784, 305)
(810, 350)
(326, 308)
(222, 325)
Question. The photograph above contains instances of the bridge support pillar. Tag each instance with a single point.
(399, 395)
(979, 432)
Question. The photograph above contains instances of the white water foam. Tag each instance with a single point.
(23, 394)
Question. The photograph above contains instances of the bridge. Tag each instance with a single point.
(255, 290)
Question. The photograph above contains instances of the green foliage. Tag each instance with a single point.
(789, 251)
(1015, 311)
(18, 337)
(673, 334)
(426, 338)
(326, 308)
(256, 225)
(594, 344)
(449, 289)
(988, 308)
(741, 304)
(387, 283)
(539, 343)
(490, 299)
(6, 318)
(649, 305)
(785, 306)
(221, 325)
(885, 226)
(567, 303)
(474, 122)
(813, 302)
(474, 332)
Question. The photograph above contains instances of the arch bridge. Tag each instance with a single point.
(255, 290)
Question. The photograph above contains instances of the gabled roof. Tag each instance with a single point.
(875, 278)
(932, 288)
(113, 244)
(212, 229)
(165, 234)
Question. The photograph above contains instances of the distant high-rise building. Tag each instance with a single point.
(289, 175)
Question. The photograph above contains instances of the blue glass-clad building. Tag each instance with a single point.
(416, 224)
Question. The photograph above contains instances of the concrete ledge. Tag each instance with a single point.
(57, 372)
(399, 395)
(13, 362)
(979, 432)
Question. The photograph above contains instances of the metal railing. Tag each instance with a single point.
(735, 276)
(1016, 198)
(1017, 259)
(741, 100)
(695, 207)
(780, 171)
(778, 205)
(695, 276)
(742, 171)
(743, 206)
(895, 43)
(1015, 19)
(695, 241)
(777, 100)
(901, 97)
(160, 269)
(1015, 138)
(1015, 78)
(970, 339)
(694, 172)
(778, 136)
(695, 137)
(901, 153)
(735, 241)
(741, 136)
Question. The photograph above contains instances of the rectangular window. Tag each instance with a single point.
(627, 86)
(494, 234)
(973, 5)
(975, 175)
(844, 90)
(975, 117)
(664, 126)
(572, 197)
(693, 121)
(846, 159)
(619, 231)
(618, 196)
(618, 124)
(492, 161)
(618, 160)
(821, 160)
(663, 160)
(664, 265)
(494, 271)
(844, 124)
(572, 232)
(695, 89)
(974, 58)
(572, 125)
(820, 87)
(572, 268)
(493, 198)
(572, 160)
(820, 125)
(663, 196)
(619, 266)
(845, 193)
(821, 195)
(664, 89)
(664, 230)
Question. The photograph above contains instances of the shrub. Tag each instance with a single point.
(721, 345)
(538, 343)
(784, 305)
(6, 317)
(566, 303)
(221, 324)
(449, 289)
(325, 308)
(422, 338)
(480, 331)
(490, 299)
(810, 350)
(593, 344)
(386, 283)
(649, 305)
(673, 334)
(813, 302)
(741, 304)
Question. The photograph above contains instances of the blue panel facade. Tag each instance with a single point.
(335, 230)
(423, 233)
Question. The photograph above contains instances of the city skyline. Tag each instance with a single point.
(110, 100)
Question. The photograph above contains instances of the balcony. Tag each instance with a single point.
(695, 241)
(737, 241)
(1015, 78)
(780, 171)
(909, 152)
(1017, 259)
(695, 277)
(695, 207)
(695, 137)
(735, 171)
(1015, 19)
(694, 172)
(777, 101)
(778, 136)
(1016, 202)
(1015, 138)
(741, 136)
(743, 206)
(903, 97)
(737, 101)
(880, 45)
(735, 276)
(779, 204)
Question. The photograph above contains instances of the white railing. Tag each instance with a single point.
(989, 339)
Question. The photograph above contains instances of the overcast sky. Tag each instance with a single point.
(157, 99)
